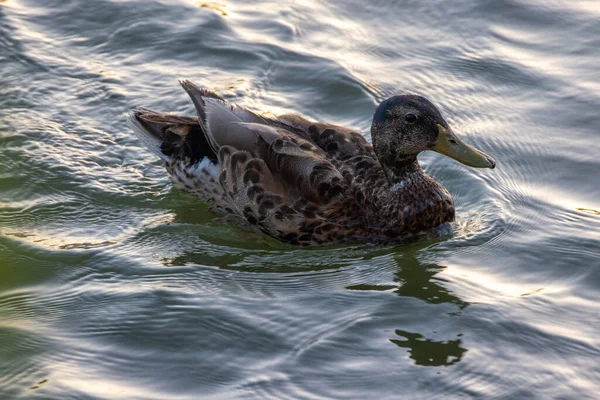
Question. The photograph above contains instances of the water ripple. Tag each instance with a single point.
(105, 269)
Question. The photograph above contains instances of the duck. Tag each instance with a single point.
(310, 183)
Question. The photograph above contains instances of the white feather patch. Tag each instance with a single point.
(204, 165)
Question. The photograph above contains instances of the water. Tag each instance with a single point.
(113, 286)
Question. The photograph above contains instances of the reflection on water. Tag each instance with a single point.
(104, 269)
(283, 268)
(430, 353)
(416, 278)
(419, 280)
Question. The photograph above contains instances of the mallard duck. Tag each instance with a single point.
(305, 182)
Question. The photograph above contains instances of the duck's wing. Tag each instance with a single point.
(336, 141)
(345, 148)
(222, 122)
(291, 157)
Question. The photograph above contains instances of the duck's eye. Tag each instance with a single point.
(410, 118)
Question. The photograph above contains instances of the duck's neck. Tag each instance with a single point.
(402, 171)
(414, 202)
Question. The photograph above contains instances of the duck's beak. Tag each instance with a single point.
(450, 145)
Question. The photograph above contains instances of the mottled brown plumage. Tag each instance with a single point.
(310, 183)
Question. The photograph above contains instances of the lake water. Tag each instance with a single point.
(115, 286)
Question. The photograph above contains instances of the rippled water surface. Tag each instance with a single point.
(115, 286)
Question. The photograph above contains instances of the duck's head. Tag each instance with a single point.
(403, 126)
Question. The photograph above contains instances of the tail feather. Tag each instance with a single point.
(146, 134)
(171, 137)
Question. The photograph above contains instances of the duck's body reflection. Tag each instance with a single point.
(415, 275)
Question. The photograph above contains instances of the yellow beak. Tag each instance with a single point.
(450, 145)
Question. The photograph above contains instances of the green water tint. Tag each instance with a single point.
(114, 286)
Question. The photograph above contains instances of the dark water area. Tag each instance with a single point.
(115, 286)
